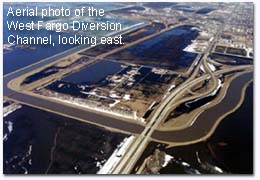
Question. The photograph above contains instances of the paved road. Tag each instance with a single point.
(58, 56)
(89, 116)
(206, 120)
(198, 129)
(132, 155)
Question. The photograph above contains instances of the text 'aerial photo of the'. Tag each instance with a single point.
(128, 87)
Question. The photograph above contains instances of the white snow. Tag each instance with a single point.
(10, 126)
(191, 47)
(114, 96)
(196, 63)
(88, 93)
(195, 28)
(100, 109)
(198, 45)
(212, 67)
(167, 159)
(114, 159)
(171, 87)
(185, 164)
(127, 97)
(138, 118)
(25, 170)
(211, 94)
(60, 85)
(218, 169)
(5, 137)
(150, 107)
(198, 158)
(30, 150)
(11, 108)
(113, 104)
(215, 91)
(202, 68)
(99, 164)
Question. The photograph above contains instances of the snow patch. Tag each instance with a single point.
(11, 108)
(113, 104)
(202, 68)
(100, 109)
(212, 67)
(218, 169)
(116, 156)
(167, 159)
(127, 97)
(171, 87)
(10, 126)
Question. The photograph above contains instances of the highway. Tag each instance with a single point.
(206, 121)
(160, 113)
(65, 109)
(199, 129)
(157, 117)
(91, 116)
(56, 57)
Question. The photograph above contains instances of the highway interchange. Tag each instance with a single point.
(144, 134)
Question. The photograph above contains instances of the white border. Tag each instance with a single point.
(256, 97)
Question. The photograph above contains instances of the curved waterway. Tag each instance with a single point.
(208, 118)
(199, 129)
(230, 148)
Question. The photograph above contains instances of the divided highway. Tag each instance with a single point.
(144, 133)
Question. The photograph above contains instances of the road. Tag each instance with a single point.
(56, 57)
(92, 116)
(133, 154)
(206, 121)
(144, 134)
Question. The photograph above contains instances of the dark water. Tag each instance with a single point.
(184, 8)
(28, 130)
(77, 144)
(230, 147)
(127, 38)
(160, 44)
(204, 11)
(236, 131)
(231, 59)
(85, 80)
(94, 73)
(20, 57)
(164, 50)
(207, 119)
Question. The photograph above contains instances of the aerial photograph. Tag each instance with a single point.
(175, 97)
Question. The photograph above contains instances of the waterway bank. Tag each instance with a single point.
(229, 150)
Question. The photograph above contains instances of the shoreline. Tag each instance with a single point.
(216, 124)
